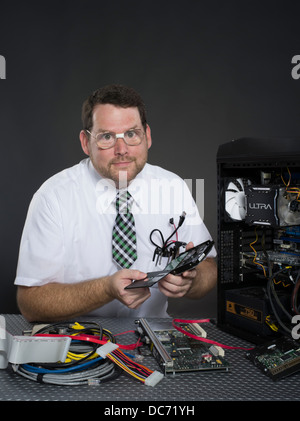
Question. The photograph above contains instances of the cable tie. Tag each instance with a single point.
(39, 378)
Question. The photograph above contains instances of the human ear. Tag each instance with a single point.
(84, 140)
(148, 136)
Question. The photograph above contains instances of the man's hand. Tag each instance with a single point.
(194, 283)
(132, 298)
(177, 286)
(57, 301)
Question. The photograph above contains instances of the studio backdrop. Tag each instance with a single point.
(209, 72)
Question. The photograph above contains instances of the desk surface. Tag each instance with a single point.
(243, 382)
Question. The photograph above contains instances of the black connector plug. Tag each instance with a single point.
(181, 219)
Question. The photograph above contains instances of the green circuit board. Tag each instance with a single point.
(176, 351)
(188, 354)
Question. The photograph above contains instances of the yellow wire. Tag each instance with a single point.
(288, 183)
(255, 253)
(72, 356)
(281, 282)
(271, 325)
(292, 190)
(125, 368)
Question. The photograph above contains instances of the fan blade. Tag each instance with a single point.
(235, 206)
(235, 200)
(229, 205)
(232, 187)
(230, 195)
(240, 181)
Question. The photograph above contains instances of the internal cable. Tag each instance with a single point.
(199, 338)
(85, 359)
(255, 253)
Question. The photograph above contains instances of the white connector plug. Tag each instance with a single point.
(106, 349)
(154, 378)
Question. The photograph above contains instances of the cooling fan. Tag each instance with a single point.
(235, 199)
(272, 205)
(288, 208)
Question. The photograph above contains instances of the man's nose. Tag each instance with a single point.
(121, 148)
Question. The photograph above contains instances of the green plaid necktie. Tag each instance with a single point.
(123, 236)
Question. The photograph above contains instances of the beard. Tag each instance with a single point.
(124, 174)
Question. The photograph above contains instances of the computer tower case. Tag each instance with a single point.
(258, 236)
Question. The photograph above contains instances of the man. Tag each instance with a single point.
(67, 264)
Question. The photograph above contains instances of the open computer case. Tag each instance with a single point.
(258, 236)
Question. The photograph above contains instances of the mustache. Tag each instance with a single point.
(122, 159)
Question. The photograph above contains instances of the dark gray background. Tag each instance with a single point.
(208, 72)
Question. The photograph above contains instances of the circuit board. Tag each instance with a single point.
(188, 354)
(278, 358)
(176, 352)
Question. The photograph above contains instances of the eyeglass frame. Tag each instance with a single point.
(117, 136)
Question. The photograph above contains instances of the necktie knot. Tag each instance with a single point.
(124, 202)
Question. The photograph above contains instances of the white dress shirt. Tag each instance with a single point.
(68, 230)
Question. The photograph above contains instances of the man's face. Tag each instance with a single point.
(121, 157)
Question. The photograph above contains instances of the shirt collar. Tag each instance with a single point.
(106, 190)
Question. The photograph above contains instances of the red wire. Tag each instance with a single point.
(124, 333)
(89, 338)
(173, 241)
(198, 338)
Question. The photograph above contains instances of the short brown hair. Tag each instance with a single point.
(118, 95)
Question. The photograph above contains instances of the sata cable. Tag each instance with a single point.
(198, 338)
(89, 339)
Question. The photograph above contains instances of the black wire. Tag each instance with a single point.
(294, 297)
(161, 235)
(165, 244)
(269, 292)
(91, 328)
(88, 328)
(73, 363)
(279, 302)
(162, 250)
